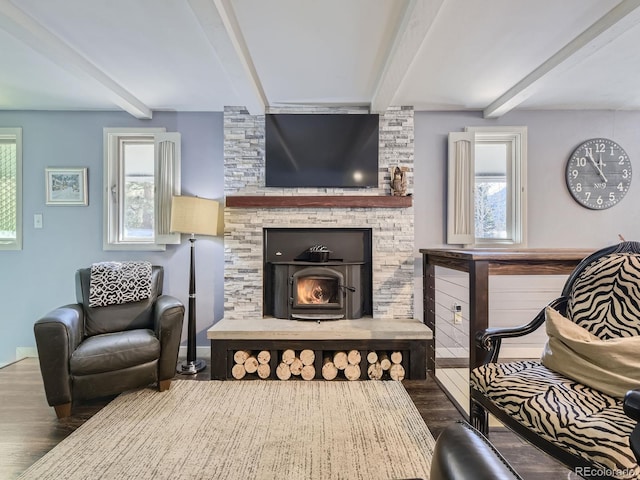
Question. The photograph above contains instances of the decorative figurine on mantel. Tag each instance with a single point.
(399, 181)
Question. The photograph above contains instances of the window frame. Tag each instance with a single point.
(112, 212)
(15, 133)
(516, 137)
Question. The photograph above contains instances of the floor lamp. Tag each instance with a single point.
(194, 216)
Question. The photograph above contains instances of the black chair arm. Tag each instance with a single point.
(631, 406)
(462, 452)
(168, 318)
(490, 339)
(57, 334)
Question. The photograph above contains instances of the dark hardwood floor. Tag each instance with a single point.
(29, 427)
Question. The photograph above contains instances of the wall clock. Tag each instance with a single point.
(598, 173)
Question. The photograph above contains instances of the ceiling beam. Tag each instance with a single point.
(411, 33)
(27, 30)
(606, 29)
(220, 25)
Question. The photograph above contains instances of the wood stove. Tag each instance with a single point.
(317, 273)
(317, 291)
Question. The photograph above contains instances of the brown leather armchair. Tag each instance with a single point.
(88, 352)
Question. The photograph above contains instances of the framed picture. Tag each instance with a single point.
(66, 186)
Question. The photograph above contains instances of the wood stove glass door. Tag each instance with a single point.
(317, 288)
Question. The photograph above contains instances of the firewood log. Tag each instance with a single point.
(296, 366)
(352, 372)
(329, 370)
(238, 371)
(396, 372)
(240, 356)
(283, 372)
(264, 370)
(353, 357)
(396, 357)
(251, 364)
(340, 360)
(308, 372)
(264, 356)
(385, 363)
(375, 371)
(372, 356)
(307, 357)
(288, 356)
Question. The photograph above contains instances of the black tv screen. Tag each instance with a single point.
(321, 150)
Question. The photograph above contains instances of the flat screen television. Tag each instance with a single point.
(321, 150)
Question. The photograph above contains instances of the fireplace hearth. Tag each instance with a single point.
(300, 284)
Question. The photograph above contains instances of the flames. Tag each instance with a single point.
(314, 291)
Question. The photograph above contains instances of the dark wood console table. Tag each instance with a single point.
(479, 264)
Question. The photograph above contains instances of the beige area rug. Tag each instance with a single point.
(248, 430)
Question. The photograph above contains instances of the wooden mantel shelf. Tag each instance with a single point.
(318, 201)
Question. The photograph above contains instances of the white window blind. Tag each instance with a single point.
(460, 204)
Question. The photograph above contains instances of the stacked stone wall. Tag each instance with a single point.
(392, 228)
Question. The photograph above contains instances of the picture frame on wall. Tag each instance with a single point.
(66, 186)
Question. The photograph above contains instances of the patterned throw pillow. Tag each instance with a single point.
(114, 283)
(605, 298)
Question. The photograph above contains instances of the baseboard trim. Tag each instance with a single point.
(26, 352)
(201, 352)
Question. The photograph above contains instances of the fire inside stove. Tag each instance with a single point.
(317, 290)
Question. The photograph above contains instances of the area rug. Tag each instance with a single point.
(248, 430)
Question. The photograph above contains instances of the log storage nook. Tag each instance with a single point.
(363, 349)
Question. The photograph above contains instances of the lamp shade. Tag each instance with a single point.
(194, 215)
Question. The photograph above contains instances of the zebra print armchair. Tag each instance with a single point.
(583, 427)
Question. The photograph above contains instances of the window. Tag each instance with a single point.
(486, 203)
(142, 173)
(10, 189)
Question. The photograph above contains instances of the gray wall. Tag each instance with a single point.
(40, 277)
(554, 218)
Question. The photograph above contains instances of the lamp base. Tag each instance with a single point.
(191, 368)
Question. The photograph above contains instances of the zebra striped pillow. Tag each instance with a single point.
(605, 298)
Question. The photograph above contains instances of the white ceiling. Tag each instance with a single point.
(200, 55)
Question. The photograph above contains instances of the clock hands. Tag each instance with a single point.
(597, 165)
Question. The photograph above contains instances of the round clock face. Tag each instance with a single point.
(598, 173)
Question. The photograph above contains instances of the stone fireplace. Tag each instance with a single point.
(367, 296)
(389, 270)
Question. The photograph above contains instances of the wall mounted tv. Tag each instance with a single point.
(321, 150)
